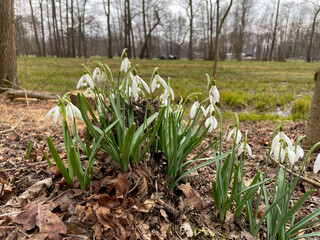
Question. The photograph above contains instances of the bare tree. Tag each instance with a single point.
(219, 25)
(274, 31)
(35, 30)
(312, 34)
(190, 30)
(107, 12)
(44, 51)
(8, 58)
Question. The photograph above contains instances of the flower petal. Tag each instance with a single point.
(316, 166)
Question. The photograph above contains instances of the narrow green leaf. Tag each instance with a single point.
(76, 165)
(29, 149)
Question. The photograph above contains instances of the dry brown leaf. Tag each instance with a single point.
(164, 214)
(193, 199)
(146, 206)
(121, 185)
(38, 215)
(106, 201)
(104, 216)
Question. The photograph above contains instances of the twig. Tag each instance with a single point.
(8, 214)
(296, 175)
(24, 114)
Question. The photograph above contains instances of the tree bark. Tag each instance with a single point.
(61, 30)
(274, 32)
(39, 52)
(49, 30)
(191, 31)
(312, 130)
(8, 58)
(311, 35)
(44, 51)
(218, 31)
(107, 13)
(72, 32)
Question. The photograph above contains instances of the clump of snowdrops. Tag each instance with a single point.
(112, 129)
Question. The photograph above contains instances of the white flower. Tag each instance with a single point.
(100, 103)
(164, 98)
(280, 136)
(125, 64)
(98, 75)
(212, 122)
(90, 92)
(316, 166)
(84, 81)
(157, 80)
(210, 110)
(291, 155)
(194, 109)
(247, 148)
(72, 111)
(56, 113)
(298, 153)
(233, 132)
(214, 95)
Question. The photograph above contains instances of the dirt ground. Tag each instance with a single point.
(35, 202)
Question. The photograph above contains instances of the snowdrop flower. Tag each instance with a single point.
(298, 153)
(72, 111)
(316, 166)
(277, 140)
(279, 152)
(90, 92)
(137, 83)
(214, 95)
(241, 149)
(194, 109)
(164, 98)
(291, 155)
(125, 64)
(234, 132)
(100, 103)
(55, 112)
(212, 122)
(98, 75)
(157, 80)
(84, 81)
(210, 110)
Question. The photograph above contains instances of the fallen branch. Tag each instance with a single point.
(12, 93)
(11, 129)
(308, 180)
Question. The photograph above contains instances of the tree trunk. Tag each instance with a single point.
(8, 58)
(55, 29)
(61, 30)
(72, 32)
(49, 30)
(218, 31)
(274, 32)
(191, 31)
(311, 35)
(312, 130)
(107, 13)
(44, 51)
(35, 30)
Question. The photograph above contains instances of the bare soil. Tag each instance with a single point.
(35, 202)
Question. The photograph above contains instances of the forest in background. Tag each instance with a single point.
(253, 30)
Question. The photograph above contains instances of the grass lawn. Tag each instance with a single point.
(256, 90)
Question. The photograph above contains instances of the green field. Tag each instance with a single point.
(256, 90)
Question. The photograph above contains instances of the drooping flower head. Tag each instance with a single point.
(98, 75)
(84, 81)
(211, 122)
(214, 95)
(125, 64)
(157, 81)
(244, 147)
(72, 110)
(279, 138)
(316, 166)
(236, 134)
(55, 112)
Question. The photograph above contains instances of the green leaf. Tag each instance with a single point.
(76, 165)
(125, 151)
(58, 161)
(48, 160)
(29, 149)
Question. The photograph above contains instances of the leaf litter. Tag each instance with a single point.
(35, 203)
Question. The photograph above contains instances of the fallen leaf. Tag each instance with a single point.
(146, 206)
(121, 185)
(39, 215)
(186, 229)
(193, 199)
(106, 201)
